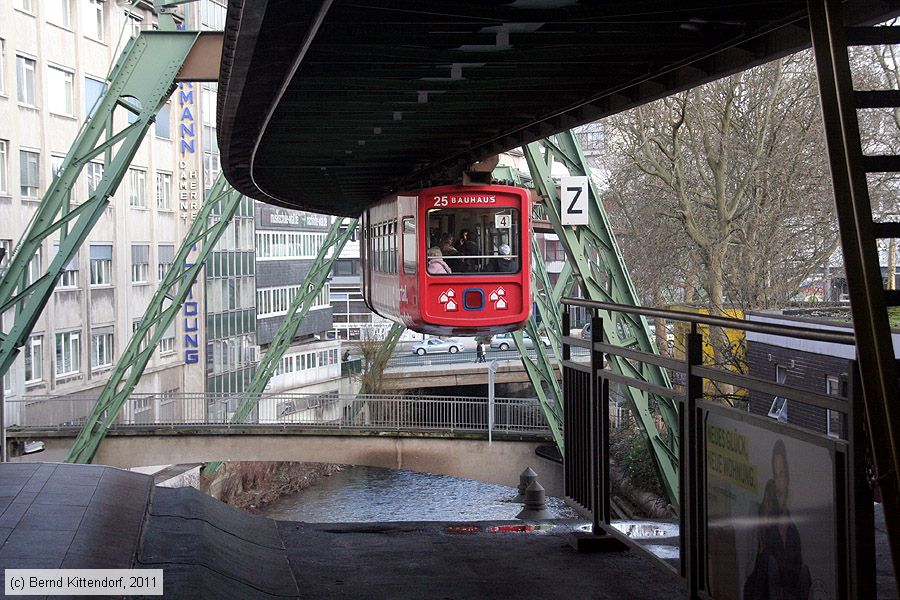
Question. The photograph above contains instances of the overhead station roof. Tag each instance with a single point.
(330, 105)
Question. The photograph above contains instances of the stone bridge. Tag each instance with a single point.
(463, 454)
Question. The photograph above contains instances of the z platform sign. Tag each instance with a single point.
(574, 200)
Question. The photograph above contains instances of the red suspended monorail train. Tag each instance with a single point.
(451, 260)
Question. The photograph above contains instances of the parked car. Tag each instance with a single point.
(504, 341)
(433, 345)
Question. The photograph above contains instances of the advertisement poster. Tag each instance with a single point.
(771, 528)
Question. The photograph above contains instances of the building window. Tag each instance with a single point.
(34, 358)
(56, 163)
(94, 173)
(57, 12)
(164, 191)
(835, 419)
(276, 301)
(101, 264)
(29, 179)
(211, 166)
(6, 245)
(26, 5)
(135, 325)
(162, 123)
(69, 277)
(93, 19)
(2, 66)
(68, 353)
(61, 89)
(101, 349)
(25, 68)
(4, 167)
(211, 158)
(212, 14)
(167, 406)
(33, 272)
(133, 23)
(137, 181)
(164, 263)
(273, 244)
(140, 263)
(93, 90)
(779, 408)
(143, 409)
(167, 341)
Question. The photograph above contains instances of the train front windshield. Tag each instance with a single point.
(474, 240)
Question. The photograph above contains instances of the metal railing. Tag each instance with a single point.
(725, 453)
(409, 359)
(314, 411)
(398, 360)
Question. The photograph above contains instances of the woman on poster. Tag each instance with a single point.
(778, 571)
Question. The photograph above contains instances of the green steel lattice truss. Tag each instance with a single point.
(595, 262)
(140, 82)
(213, 218)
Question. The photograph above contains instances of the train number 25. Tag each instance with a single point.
(440, 200)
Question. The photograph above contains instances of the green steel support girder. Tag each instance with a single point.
(540, 371)
(340, 232)
(597, 264)
(164, 307)
(546, 297)
(146, 71)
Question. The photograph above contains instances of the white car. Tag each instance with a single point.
(504, 341)
(432, 345)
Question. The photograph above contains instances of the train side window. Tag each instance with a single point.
(392, 233)
(410, 256)
(379, 248)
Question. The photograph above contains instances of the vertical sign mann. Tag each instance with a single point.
(189, 203)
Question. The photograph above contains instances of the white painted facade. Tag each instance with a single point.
(55, 56)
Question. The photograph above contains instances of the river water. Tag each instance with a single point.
(366, 494)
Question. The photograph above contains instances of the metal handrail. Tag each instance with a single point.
(373, 412)
(803, 333)
(588, 397)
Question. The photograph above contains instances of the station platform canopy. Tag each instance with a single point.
(329, 105)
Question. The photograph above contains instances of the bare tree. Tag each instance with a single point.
(375, 358)
(737, 165)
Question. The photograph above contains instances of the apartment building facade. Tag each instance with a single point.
(287, 242)
(54, 59)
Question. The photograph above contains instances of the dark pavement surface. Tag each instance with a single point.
(83, 516)
(70, 516)
(425, 560)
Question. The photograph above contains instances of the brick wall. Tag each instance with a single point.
(809, 372)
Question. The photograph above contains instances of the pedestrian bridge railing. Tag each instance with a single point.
(314, 411)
